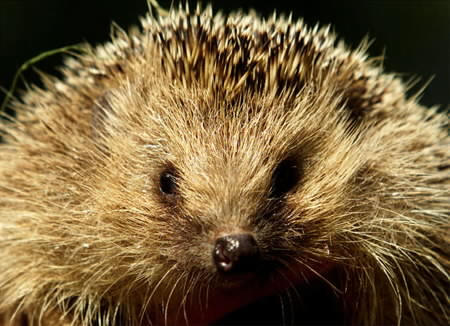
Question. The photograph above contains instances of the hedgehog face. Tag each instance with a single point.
(225, 193)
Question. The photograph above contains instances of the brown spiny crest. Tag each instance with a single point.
(202, 163)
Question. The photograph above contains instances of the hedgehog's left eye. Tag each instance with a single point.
(167, 183)
(285, 178)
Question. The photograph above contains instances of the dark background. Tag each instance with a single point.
(413, 34)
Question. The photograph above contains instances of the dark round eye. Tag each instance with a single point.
(285, 178)
(167, 183)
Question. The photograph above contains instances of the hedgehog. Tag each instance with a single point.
(201, 163)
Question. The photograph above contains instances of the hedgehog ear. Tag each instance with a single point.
(365, 95)
(359, 102)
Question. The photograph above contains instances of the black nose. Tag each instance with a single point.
(236, 253)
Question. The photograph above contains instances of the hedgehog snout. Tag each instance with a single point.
(236, 253)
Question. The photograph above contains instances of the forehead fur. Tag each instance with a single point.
(216, 74)
(236, 66)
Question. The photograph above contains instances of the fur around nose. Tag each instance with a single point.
(236, 253)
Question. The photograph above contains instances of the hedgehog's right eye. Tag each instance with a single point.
(167, 183)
